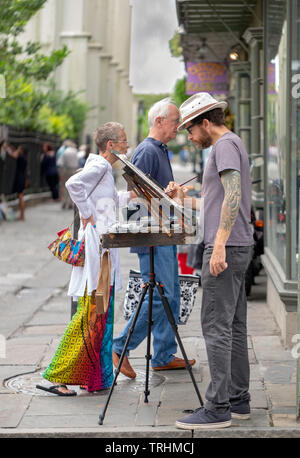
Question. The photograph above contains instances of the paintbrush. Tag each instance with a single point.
(185, 182)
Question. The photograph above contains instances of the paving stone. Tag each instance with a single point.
(255, 372)
(269, 348)
(282, 394)
(278, 372)
(55, 274)
(285, 421)
(258, 418)
(50, 318)
(61, 421)
(168, 416)
(183, 376)
(174, 395)
(259, 399)
(146, 414)
(52, 330)
(18, 351)
(12, 409)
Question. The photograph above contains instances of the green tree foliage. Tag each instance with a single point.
(179, 93)
(175, 45)
(32, 102)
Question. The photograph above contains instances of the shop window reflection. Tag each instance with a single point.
(276, 131)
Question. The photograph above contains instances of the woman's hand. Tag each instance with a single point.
(86, 221)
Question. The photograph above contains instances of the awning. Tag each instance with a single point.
(217, 24)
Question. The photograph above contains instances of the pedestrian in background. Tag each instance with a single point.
(68, 164)
(19, 154)
(49, 169)
(83, 158)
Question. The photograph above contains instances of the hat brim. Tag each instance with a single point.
(196, 113)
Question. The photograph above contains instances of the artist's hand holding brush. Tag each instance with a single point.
(177, 192)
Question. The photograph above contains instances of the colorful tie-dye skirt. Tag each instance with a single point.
(84, 355)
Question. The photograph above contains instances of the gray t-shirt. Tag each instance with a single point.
(227, 153)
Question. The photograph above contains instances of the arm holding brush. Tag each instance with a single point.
(179, 193)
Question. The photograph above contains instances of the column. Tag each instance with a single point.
(254, 38)
(73, 74)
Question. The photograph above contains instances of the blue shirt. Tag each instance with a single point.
(152, 157)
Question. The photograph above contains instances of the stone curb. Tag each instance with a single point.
(167, 432)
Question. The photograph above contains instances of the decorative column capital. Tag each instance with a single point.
(240, 67)
(253, 35)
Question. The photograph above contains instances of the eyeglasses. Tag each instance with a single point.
(120, 141)
(189, 129)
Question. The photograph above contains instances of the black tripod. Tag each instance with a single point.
(150, 285)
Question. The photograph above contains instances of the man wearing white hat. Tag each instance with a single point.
(226, 191)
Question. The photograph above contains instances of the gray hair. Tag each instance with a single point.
(159, 109)
(106, 132)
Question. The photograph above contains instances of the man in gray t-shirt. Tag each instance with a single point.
(228, 153)
(228, 247)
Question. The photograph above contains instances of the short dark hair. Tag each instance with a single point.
(47, 146)
(215, 116)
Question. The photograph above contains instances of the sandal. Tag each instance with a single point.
(54, 389)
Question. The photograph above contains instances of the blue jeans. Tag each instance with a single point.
(164, 343)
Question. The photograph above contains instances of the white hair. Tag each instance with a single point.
(159, 109)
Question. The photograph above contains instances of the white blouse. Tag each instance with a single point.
(101, 205)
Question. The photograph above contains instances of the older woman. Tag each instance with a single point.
(84, 355)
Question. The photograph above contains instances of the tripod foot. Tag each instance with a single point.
(146, 396)
(100, 421)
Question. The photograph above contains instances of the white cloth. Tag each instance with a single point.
(101, 205)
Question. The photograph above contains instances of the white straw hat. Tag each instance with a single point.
(197, 105)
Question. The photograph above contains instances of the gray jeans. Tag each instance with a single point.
(224, 326)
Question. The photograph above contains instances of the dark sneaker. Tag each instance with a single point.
(205, 419)
(240, 411)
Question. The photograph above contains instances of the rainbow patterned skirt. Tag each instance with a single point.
(84, 354)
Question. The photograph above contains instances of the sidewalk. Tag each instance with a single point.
(34, 311)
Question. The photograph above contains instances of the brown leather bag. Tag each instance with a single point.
(100, 297)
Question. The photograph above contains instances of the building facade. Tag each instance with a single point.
(259, 42)
(97, 32)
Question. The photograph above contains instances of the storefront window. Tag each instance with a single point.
(276, 43)
(295, 136)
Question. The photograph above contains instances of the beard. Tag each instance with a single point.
(204, 140)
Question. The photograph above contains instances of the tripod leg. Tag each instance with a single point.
(175, 329)
(148, 355)
(117, 371)
(150, 322)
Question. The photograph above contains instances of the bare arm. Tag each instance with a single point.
(231, 182)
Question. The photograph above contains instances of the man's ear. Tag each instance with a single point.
(158, 121)
(205, 123)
